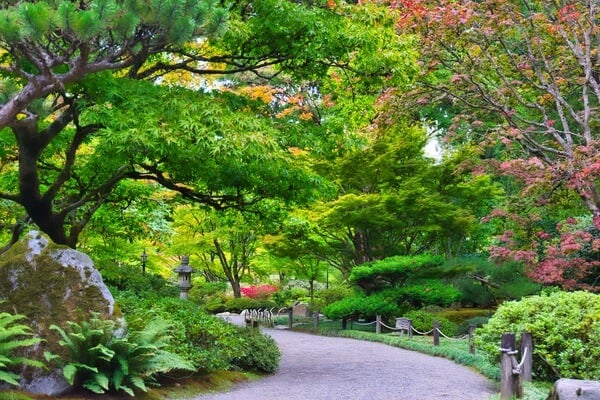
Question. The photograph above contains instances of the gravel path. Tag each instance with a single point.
(325, 368)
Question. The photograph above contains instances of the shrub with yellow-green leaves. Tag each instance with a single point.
(565, 328)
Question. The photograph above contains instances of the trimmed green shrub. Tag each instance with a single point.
(429, 292)
(423, 322)
(506, 282)
(359, 305)
(213, 305)
(201, 291)
(565, 328)
(331, 295)
(208, 342)
(261, 352)
(100, 361)
(239, 304)
(392, 271)
(13, 336)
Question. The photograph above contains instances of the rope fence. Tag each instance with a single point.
(255, 317)
(404, 325)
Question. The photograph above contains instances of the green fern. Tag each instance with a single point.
(99, 361)
(14, 335)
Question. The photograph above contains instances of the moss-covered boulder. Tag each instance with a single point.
(50, 284)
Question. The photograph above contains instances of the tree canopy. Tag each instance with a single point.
(74, 111)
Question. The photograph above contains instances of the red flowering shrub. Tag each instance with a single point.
(258, 291)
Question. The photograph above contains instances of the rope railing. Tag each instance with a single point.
(462, 337)
(364, 323)
(254, 316)
(389, 327)
(422, 333)
(405, 325)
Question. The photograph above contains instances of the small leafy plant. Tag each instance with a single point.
(99, 360)
(260, 352)
(14, 335)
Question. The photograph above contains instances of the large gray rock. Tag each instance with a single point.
(575, 389)
(50, 284)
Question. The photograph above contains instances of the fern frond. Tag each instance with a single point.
(27, 361)
(7, 347)
(117, 379)
(101, 352)
(9, 377)
(128, 390)
(139, 383)
(93, 387)
(101, 380)
(71, 370)
(14, 335)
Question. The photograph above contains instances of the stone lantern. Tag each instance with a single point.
(184, 273)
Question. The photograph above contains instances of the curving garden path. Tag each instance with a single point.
(325, 368)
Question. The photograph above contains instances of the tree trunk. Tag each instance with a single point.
(235, 286)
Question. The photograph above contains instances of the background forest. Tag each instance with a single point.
(367, 158)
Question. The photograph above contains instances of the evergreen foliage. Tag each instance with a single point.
(360, 305)
(393, 271)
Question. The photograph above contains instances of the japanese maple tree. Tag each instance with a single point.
(523, 75)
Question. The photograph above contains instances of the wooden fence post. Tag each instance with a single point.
(527, 356)
(344, 323)
(378, 324)
(510, 383)
(436, 333)
(291, 317)
(471, 339)
(316, 319)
